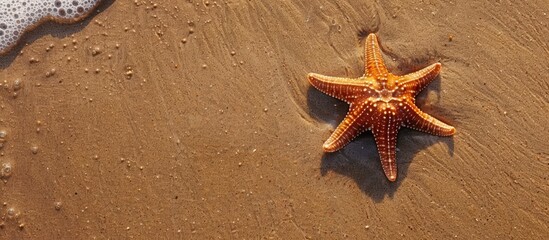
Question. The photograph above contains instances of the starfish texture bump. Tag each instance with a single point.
(381, 102)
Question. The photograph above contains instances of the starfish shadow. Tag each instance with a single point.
(431, 107)
(359, 160)
(324, 107)
(58, 30)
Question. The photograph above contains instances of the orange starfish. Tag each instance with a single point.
(382, 102)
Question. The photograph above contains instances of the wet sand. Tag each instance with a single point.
(194, 119)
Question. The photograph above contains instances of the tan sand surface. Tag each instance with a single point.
(194, 120)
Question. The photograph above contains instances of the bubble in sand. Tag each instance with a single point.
(3, 135)
(96, 51)
(6, 170)
(19, 16)
(57, 205)
(17, 85)
(12, 213)
(34, 149)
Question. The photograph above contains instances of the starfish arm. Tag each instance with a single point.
(347, 130)
(344, 89)
(374, 60)
(418, 120)
(417, 81)
(385, 134)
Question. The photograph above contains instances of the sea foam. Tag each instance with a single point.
(20, 16)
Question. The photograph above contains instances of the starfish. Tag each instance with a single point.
(381, 102)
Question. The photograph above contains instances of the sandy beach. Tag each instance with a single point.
(195, 120)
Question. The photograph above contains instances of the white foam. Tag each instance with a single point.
(20, 16)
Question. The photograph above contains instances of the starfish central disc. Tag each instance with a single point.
(381, 102)
(385, 95)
